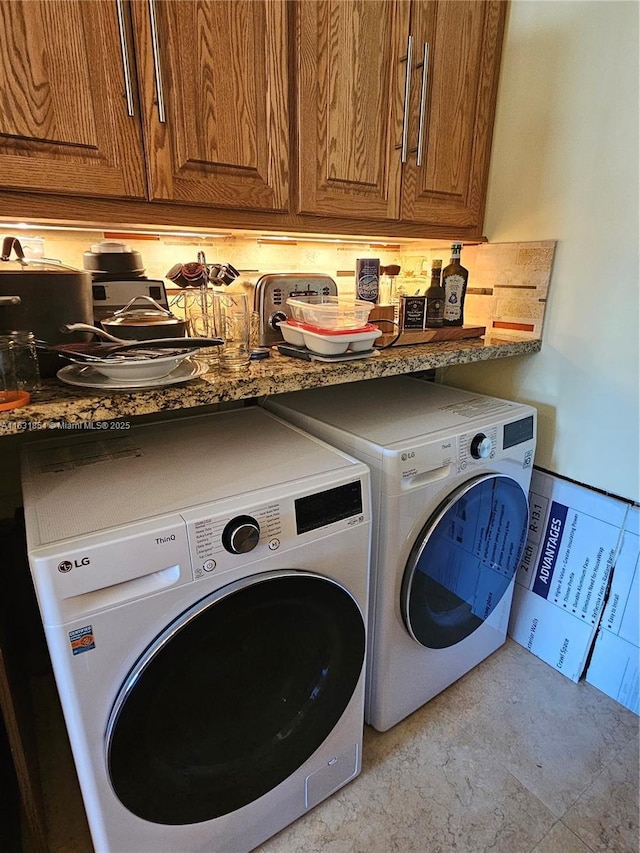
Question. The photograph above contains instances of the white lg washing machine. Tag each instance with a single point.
(203, 586)
(450, 479)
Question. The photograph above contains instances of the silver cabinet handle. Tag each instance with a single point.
(156, 61)
(423, 99)
(407, 93)
(126, 68)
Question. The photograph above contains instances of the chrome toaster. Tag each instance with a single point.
(272, 291)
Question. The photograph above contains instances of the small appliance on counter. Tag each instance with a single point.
(39, 295)
(272, 290)
(118, 277)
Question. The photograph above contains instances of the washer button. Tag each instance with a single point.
(209, 565)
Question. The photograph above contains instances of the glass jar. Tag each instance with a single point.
(22, 347)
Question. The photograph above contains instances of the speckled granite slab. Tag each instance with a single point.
(57, 404)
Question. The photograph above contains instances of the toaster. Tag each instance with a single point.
(270, 299)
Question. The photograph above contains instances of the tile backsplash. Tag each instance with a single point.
(507, 289)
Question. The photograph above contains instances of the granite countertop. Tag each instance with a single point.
(58, 404)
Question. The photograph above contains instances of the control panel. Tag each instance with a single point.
(213, 540)
(219, 542)
(475, 446)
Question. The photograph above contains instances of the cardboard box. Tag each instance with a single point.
(574, 538)
(614, 665)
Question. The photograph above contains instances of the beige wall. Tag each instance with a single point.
(565, 166)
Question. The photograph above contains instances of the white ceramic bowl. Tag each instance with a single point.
(139, 368)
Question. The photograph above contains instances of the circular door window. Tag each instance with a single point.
(464, 560)
(234, 696)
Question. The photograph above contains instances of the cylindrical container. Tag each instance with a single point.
(10, 395)
(434, 317)
(42, 296)
(199, 312)
(367, 279)
(454, 281)
(233, 325)
(23, 352)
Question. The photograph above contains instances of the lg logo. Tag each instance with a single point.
(66, 565)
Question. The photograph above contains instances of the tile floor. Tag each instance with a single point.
(513, 758)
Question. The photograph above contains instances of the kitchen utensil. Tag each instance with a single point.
(43, 294)
(120, 343)
(232, 321)
(87, 377)
(110, 259)
(140, 323)
(112, 295)
(271, 292)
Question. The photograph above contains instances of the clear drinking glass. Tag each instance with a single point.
(233, 324)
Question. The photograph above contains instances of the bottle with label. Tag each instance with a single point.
(367, 279)
(454, 281)
(434, 317)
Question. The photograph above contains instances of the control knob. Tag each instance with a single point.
(481, 446)
(241, 534)
(275, 318)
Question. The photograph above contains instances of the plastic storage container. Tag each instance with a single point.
(330, 312)
(331, 342)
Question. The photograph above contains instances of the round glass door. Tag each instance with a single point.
(464, 560)
(234, 696)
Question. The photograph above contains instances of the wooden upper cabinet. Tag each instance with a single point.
(350, 78)
(452, 109)
(214, 84)
(376, 144)
(64, 122)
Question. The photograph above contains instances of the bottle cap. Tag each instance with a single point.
(436, 264)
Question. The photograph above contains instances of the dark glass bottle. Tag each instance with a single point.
(435, 298)
(454, 281)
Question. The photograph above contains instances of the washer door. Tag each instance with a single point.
(234, 696)
(464, 560)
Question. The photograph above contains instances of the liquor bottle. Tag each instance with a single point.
(367, 279)
(454, 281)
(435, 298)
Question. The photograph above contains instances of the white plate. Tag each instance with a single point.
(138, 369)
(87, 377)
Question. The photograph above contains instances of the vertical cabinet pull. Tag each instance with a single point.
(156, 60)
(407, 93)
(124, 50)
(423, 99)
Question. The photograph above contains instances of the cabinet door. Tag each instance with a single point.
(214, 78)
(64, 122)
(446, 185)
(350, 95)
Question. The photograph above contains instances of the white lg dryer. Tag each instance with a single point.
(450, 479)
(203, 586)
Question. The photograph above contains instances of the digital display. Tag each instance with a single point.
(517, 432)
(322, 508)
